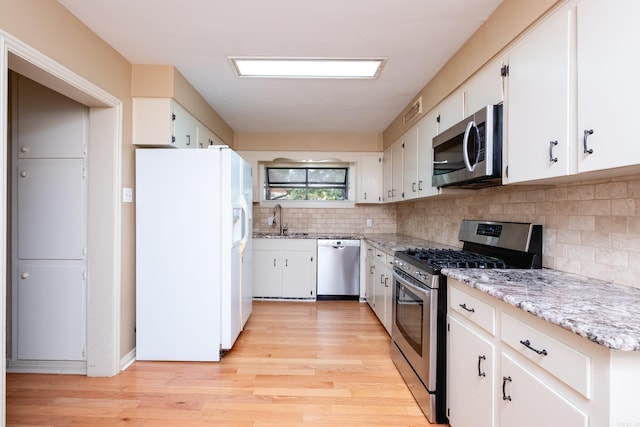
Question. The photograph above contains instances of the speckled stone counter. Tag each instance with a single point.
(602, 312)
(391, 243)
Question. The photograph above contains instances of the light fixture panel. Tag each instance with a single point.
(309, 68)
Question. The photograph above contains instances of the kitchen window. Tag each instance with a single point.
(307, 183)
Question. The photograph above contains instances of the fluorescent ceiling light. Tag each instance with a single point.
(310, 68)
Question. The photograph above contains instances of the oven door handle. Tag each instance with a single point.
(410, 285)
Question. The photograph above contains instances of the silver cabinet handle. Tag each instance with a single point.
(24, 276)
(587, 132)
(413, 187)
(481, 373)
(420, 185)
(551, 145)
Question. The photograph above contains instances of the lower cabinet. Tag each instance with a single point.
(379, 280)
(509, 368)
(528, 402)
(470, 376)
(284, 268)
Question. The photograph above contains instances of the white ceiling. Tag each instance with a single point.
(198, 36)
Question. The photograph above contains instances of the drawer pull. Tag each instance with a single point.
(464, 307)
(504, 388)
(480, 372)
(527, 344)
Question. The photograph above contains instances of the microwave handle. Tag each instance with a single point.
(465, 145)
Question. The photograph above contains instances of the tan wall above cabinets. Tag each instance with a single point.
(347, 142)
(165, 81)
(509, 20)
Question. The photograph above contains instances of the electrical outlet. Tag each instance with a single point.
(369, 223)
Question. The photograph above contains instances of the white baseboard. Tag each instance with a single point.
(128, 360)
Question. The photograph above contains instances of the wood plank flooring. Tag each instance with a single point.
(295, 364)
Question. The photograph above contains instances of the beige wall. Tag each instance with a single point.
(308, 142)
(509, 20)
(165, 81)
(49, 28)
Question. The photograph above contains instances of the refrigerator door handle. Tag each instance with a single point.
(245, 223)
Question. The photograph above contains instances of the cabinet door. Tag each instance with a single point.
(185, 128)
(450, 111)
(427, 129)
(379, 281)
(538, 105)
(388, 299)
(410, 164)
(528, 402)
(153, 123)
(470, 373)
(397, 172)
(486, 88)
(267, 273)
(298, 274)
(387, 175)
(370, 278)
(370, 179)
(608, 63)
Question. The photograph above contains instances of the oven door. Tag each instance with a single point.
(414, 329)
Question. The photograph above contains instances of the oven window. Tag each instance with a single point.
(409, 312)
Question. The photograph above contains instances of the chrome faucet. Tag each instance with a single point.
(278, 208)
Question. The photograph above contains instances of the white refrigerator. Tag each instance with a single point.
(193, 252)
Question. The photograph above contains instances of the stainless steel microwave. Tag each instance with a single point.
(469, 154)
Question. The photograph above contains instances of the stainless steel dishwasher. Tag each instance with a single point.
(338, 269)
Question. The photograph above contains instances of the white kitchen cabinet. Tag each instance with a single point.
(370, 178)
(387, 175)
(397, 171)
(542, 373)
(370, 266)
(608, 60)
(382, 291)
(527, 401)
(485, 88)
(284, 268)
(470, 377)
(418, 158)
(162, 122)
(410, 163)
(207, 138)
(427, 129)
(450, 111)
(538, 115)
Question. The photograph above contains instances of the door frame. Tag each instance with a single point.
(104, 222)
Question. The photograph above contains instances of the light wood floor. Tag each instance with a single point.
(296, 363)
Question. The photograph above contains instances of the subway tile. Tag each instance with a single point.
(595, 270)
(612, 224)
(611, 190)
(595, 207)
(595, 239)
(612, 257)
(581, 192)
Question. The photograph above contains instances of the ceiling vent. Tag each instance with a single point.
(414, 111)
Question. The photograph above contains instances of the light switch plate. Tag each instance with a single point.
(127, 195)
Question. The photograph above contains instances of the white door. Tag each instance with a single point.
(49, 225)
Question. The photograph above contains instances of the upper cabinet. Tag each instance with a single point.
(387, 175)
(162, 122)
(538, 122)
(571, 93)
(418, 158)
(370, 179)
(450, 111)
(485, 88)
(608, 60)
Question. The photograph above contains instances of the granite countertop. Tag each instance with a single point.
(301, 235)
(396, 242)
(602, 312)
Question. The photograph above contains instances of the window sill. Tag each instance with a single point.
(308, 204)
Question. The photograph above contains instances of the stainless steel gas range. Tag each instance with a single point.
(420, 299)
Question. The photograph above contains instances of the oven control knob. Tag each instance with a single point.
(421, 274)
(399, 263)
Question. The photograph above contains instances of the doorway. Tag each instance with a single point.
(48, 263)
(103, 200)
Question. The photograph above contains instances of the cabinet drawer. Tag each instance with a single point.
(371, 251)
(566, 363)
(382, 256)
(299, 244)
(473, 309)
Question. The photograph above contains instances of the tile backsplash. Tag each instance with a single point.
(349, 221)
(591, 228)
